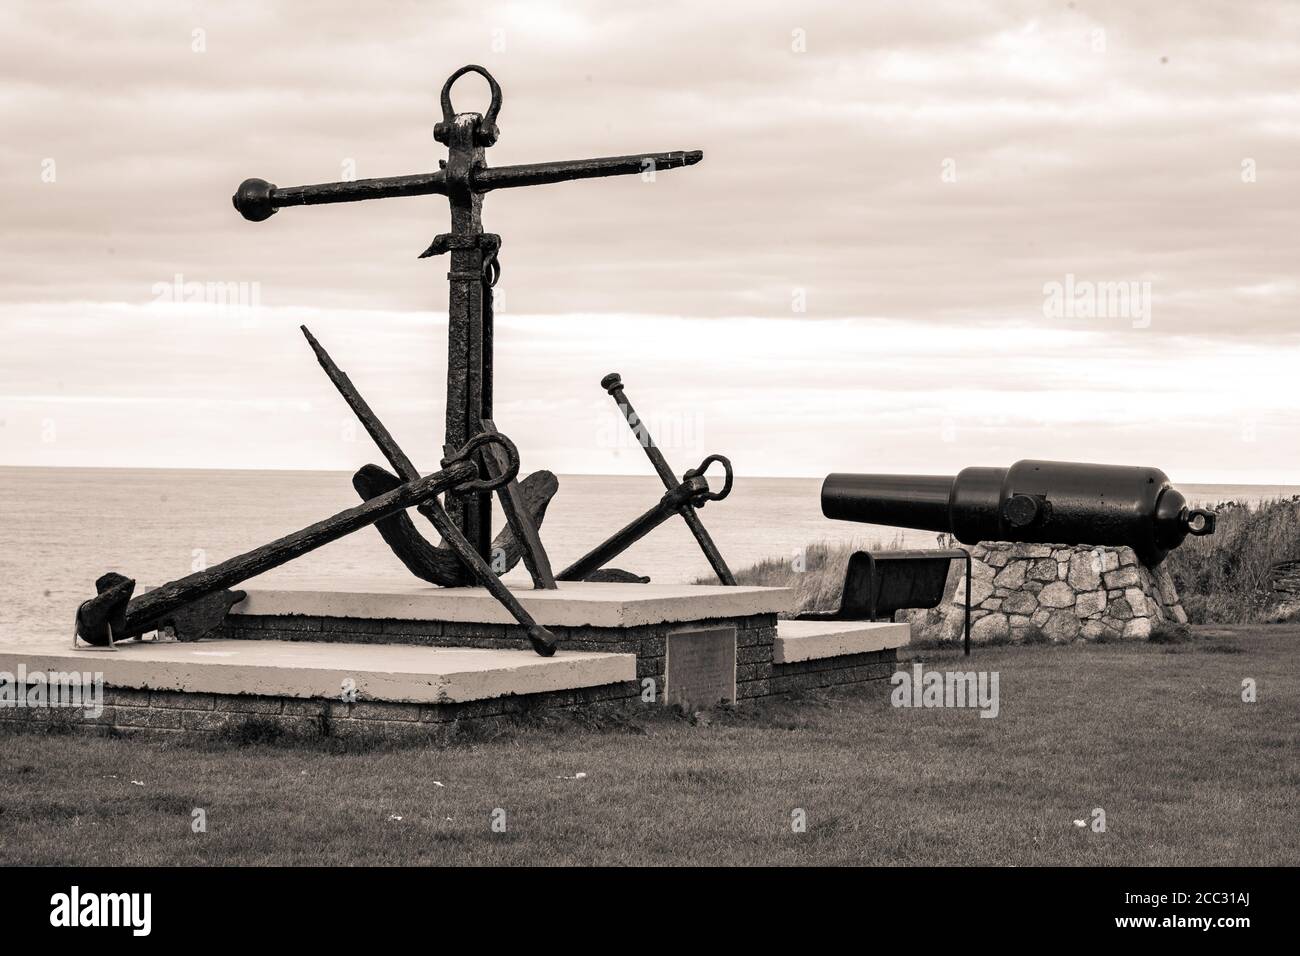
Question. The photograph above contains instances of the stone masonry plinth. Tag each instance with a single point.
(1066, 592)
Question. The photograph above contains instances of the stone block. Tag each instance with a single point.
(991, 627)
(1085, 571)
(649, 667)
(130, 697)
(1138, 629)
(1044, 570)
(1165, 583)
(1023, 550)
(1012, 576)
(1090, 604)
(1020, 602)
(1137, 600)
(205, 720)
(980, 591)
(305, 708)
(156, 719)
(248, 703)
(1092, 631)
(1123, 578)
(384, 710)
(178, 700)
(1062, 626)
(1056, 595)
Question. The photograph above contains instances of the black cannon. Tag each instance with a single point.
(1040, 502)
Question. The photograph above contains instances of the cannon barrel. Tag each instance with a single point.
(1040, 502)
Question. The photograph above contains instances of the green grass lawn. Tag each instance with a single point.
(1157, 736)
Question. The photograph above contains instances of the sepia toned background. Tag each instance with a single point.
(853, 279)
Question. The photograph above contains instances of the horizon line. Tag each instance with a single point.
(571, 474)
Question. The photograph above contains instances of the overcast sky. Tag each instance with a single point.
(853, 279)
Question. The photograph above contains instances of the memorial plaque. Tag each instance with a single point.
(700, 669)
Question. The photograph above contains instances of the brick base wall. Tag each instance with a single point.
(755, 635)
(165, 712)
(833, 671)
(174, 712)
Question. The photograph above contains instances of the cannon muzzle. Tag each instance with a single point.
(1041, 502)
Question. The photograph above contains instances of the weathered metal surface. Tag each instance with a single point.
(414, 550)
(617, 576)
(1044, 502)
(613, 383)
(464, 178)
(681, 498)
(441, 565)
(114, 607)
(636, 529)
(421, 558)
(381, 436)
(518, 517)
(257, 200)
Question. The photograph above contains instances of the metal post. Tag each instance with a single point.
(968, 563)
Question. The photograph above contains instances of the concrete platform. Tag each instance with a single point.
(379, 672)
(574, 604)
(816, 640)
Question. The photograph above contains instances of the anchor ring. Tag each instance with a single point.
(466, 453)
(487, 131)
(699, 471)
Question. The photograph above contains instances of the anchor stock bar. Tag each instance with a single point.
(257, 199)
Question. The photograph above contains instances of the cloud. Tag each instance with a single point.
(916, 173)
(199, 386)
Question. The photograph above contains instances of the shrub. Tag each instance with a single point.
(820, 579)
(1225, 578)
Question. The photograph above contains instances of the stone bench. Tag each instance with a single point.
(808, 654)
(816, 640)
